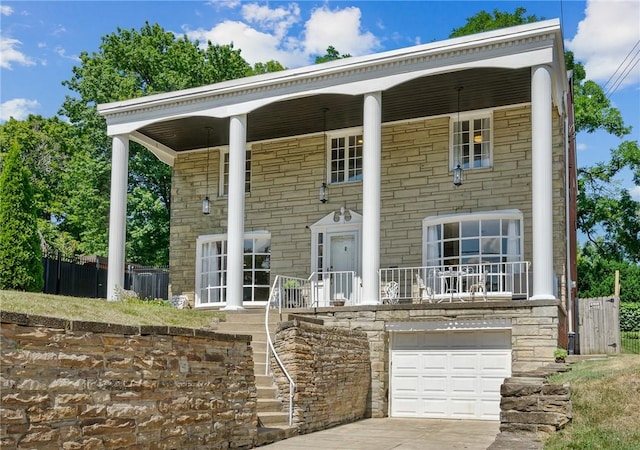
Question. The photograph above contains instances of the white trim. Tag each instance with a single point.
(485, 113)
(451, 324)
(345, 133)
(206, 238)
(327, 226)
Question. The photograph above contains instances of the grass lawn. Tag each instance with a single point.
(129, 312)
(606, 405)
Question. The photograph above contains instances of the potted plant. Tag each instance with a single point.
(560, 355)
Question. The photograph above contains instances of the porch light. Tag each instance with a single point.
(206, 209)
(457, 175)
(323, 193)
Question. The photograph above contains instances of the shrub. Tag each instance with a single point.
(629, 316)
(20, 252)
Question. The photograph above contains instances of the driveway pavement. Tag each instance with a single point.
(397, 434)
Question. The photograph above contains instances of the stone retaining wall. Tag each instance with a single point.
(71, 385)
(331, 369)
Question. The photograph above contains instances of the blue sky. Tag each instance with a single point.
(40, 41)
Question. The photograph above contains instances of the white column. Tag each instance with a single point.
(371, 197)
(235, 210)
(117, 214)
(542, 183)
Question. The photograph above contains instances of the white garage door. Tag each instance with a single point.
(449, 374)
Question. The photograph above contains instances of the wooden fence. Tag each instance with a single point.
(599, 325)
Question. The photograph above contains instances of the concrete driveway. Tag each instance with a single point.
(397, 434)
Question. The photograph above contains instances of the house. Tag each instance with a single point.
(440, 176)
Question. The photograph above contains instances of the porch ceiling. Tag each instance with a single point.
(422, 97)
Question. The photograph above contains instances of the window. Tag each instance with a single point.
(211, 268)
(345, 158)
(471, 137)
(224, 177)
(473, 238)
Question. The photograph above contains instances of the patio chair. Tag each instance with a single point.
(478, 286)
(391, 292)
(424, 291)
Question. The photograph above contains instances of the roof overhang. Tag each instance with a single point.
(514, 48)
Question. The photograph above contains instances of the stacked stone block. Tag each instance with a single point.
(331, 369)
(71, 385)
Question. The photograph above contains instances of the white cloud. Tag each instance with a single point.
(6, 10)
(605, 37)
(635, 193)
(582, 146)
(18, 108)
(10, 54)
(340, 28)
(61, 52)
(270, 33)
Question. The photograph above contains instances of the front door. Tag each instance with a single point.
(342, 261)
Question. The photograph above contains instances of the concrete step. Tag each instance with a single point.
(266, 392)
(269, 405)
(270, 419)
(263, 380)
(269, 435)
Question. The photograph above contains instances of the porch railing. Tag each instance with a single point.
(454, 283)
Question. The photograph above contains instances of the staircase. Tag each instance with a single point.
(273, 418)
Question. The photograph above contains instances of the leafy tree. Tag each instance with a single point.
(597, 275)
(268, 67)
(46, 147)
(130, 64)
(485, 21)
(20, 252)
(331, 55)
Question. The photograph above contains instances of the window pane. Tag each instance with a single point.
(491, 227)
(490, 246)
(451, 248)
(451, 230)
(470, 247)
(470, 228)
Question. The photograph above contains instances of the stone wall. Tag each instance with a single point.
(331, 369)
(415, 183)
(70, 385)
(531, 404)
(534, 333)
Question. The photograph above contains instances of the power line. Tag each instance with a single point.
(623, 70)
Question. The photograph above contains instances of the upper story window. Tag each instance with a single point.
(345, 156)
(471, 140)
(224, 177)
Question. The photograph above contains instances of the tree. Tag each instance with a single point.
(130, 64)
(20, 252)
(331, 55)
(484, 21)
(268, 67)
(46, 148)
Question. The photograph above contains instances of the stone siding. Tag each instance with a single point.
(331, 369)
(71, 385)
(415, 183)
(534, 333)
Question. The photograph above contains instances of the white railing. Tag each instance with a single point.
(454, 283)
(275, 300)
(337, 288)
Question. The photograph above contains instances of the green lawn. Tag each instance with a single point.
(129, 312)
(605, 395)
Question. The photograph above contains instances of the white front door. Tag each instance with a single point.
(342, 263)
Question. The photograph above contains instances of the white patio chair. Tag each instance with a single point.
(391, 292)
(424, 291)
(479, 286)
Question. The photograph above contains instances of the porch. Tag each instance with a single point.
(413, 285)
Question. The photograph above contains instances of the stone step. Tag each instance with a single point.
(270, 419)
(269, 405)
(269, 435)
